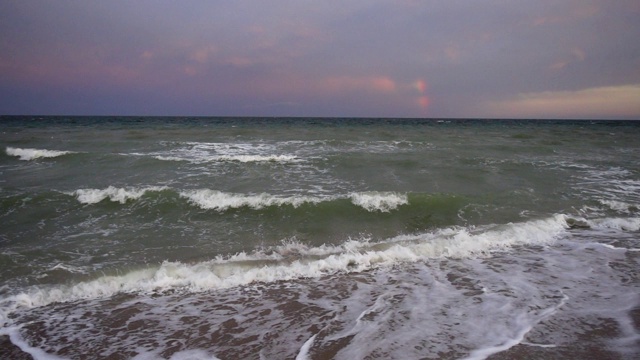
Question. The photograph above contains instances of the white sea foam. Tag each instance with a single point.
(31, 154)
(379, 201)
(524, 324)
(626, 224)
(256, 158)
(180, 355)
(68, 268)
(199, 153)
(619, 205)
(304, 350)
(121, 195)
(615, 248)
(18, 340)
(232, 158)
(305, 262)
(221, 201)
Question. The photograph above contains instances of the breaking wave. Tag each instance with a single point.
(294, 260)
(121, 195)
(613, 223)
(222, 201)
(379, 201)
(32, 154)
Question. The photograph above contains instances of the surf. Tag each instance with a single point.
(293, 260)
(208, 199)
(28, 154)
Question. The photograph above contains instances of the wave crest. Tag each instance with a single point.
(233, 158)
(121, 195)
(379, 201)
(32, 154)
(208, 199)
(221, 201)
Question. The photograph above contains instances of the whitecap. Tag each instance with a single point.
(619, 205)
(379, 201)
(625, 224)
(221, 201)
(121, 195)
(32, 154)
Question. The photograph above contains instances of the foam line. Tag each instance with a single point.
(304, 350)
(482, 354)
(17, 340)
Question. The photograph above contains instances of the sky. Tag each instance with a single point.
(325, 58)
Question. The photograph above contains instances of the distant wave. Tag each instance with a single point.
(293, 260)
(231, 158)
(199, 153)
(31, 154)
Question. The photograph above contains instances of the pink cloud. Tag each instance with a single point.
(424, 101)
(420, 85)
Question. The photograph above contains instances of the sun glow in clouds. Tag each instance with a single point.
(423, 100)
(420, 85)
(608, 101)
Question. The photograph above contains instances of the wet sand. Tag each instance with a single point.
(10, 351)
(227, 322)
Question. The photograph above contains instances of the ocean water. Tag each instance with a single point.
(280, 238)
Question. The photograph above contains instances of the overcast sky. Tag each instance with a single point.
(373, 58)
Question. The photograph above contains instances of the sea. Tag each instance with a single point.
(318, 238)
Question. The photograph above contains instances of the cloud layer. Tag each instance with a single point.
(378, 58)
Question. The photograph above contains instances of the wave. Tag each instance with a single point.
(32, 154)
(623, 224)
(233, 158)
(620, 206)
(199, 153)
(222, 201)
(379, 201)
(294, 260)
(121, 195)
